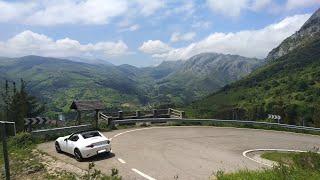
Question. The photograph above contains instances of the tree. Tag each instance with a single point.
(291, 114)
(22, 105)
(316, 115)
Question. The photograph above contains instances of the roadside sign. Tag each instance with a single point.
(10, 128)
(273, 116)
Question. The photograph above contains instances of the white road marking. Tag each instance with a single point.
(140, 129)
(253, 150)
(266, 130)
(121, 160)
(243, 154)
(142, 174)
(131, 131)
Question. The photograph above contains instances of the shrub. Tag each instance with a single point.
(21, 140)
(309, 160)
(93, 173)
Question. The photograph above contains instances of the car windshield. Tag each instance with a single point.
(87, 135)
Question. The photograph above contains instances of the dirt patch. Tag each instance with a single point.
(55, 168)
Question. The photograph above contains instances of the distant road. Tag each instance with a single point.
(187, 152)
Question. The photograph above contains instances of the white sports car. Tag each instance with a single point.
(83, 144)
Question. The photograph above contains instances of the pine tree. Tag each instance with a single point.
(22, 105)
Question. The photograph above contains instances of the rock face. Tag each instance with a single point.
(231, 67)
(308, 31)
(205, 73)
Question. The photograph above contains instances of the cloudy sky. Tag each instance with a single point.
(146, 32)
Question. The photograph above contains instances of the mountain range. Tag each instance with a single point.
(214, 85)
(59, 81)
(288, 84)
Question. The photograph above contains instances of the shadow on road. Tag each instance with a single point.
(99, 157)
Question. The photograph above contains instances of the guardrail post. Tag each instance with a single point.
(79, 117)
(29, 127)
(154, 113)
(169, 112)
(109, 120)
(120, 114)
(96, 119)
(138, 114)
(182, 115)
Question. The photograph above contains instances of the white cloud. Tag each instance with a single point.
(10, 11)
(230, 8)
(187, 8)
(154, 47)
(48, 13)
(234, 8)
(259, 4)
(176, 37)
(30, 43)
(72, 12)
(134, 27)
(294, 4)
(201, 24)
(250, 43)
(148, 7)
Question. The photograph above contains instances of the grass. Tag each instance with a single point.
(301, 166)
(284, 157)
(22, 160)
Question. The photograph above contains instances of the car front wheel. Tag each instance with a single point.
(77, 155)
(58, 149)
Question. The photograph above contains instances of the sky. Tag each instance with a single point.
(147, 32)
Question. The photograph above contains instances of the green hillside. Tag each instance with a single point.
(289, 87)
(203, 74)
(58, 82)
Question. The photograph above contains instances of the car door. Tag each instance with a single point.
(63, 145)
(71, 143)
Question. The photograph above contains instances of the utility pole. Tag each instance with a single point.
(6, 98)
(5, 149)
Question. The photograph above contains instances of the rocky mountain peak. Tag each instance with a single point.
(308, 31)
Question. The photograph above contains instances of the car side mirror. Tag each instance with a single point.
(66, 139)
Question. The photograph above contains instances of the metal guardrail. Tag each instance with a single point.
(71, 129)
(62, 130)
(161, 120)
(155, 113)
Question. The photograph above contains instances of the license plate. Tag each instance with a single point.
(102, 151)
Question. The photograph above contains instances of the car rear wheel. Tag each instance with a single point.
(58, 149)
(77, 155)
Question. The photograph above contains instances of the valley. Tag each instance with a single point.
(172, 83)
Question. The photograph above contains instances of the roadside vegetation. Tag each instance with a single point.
(284, 157)
(291, 166)
(289, 87)
(241, 125)
(26, 162)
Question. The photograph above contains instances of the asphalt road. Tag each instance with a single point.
(186, 152)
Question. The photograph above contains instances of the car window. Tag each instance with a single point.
(90, 134)
(74, 138)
